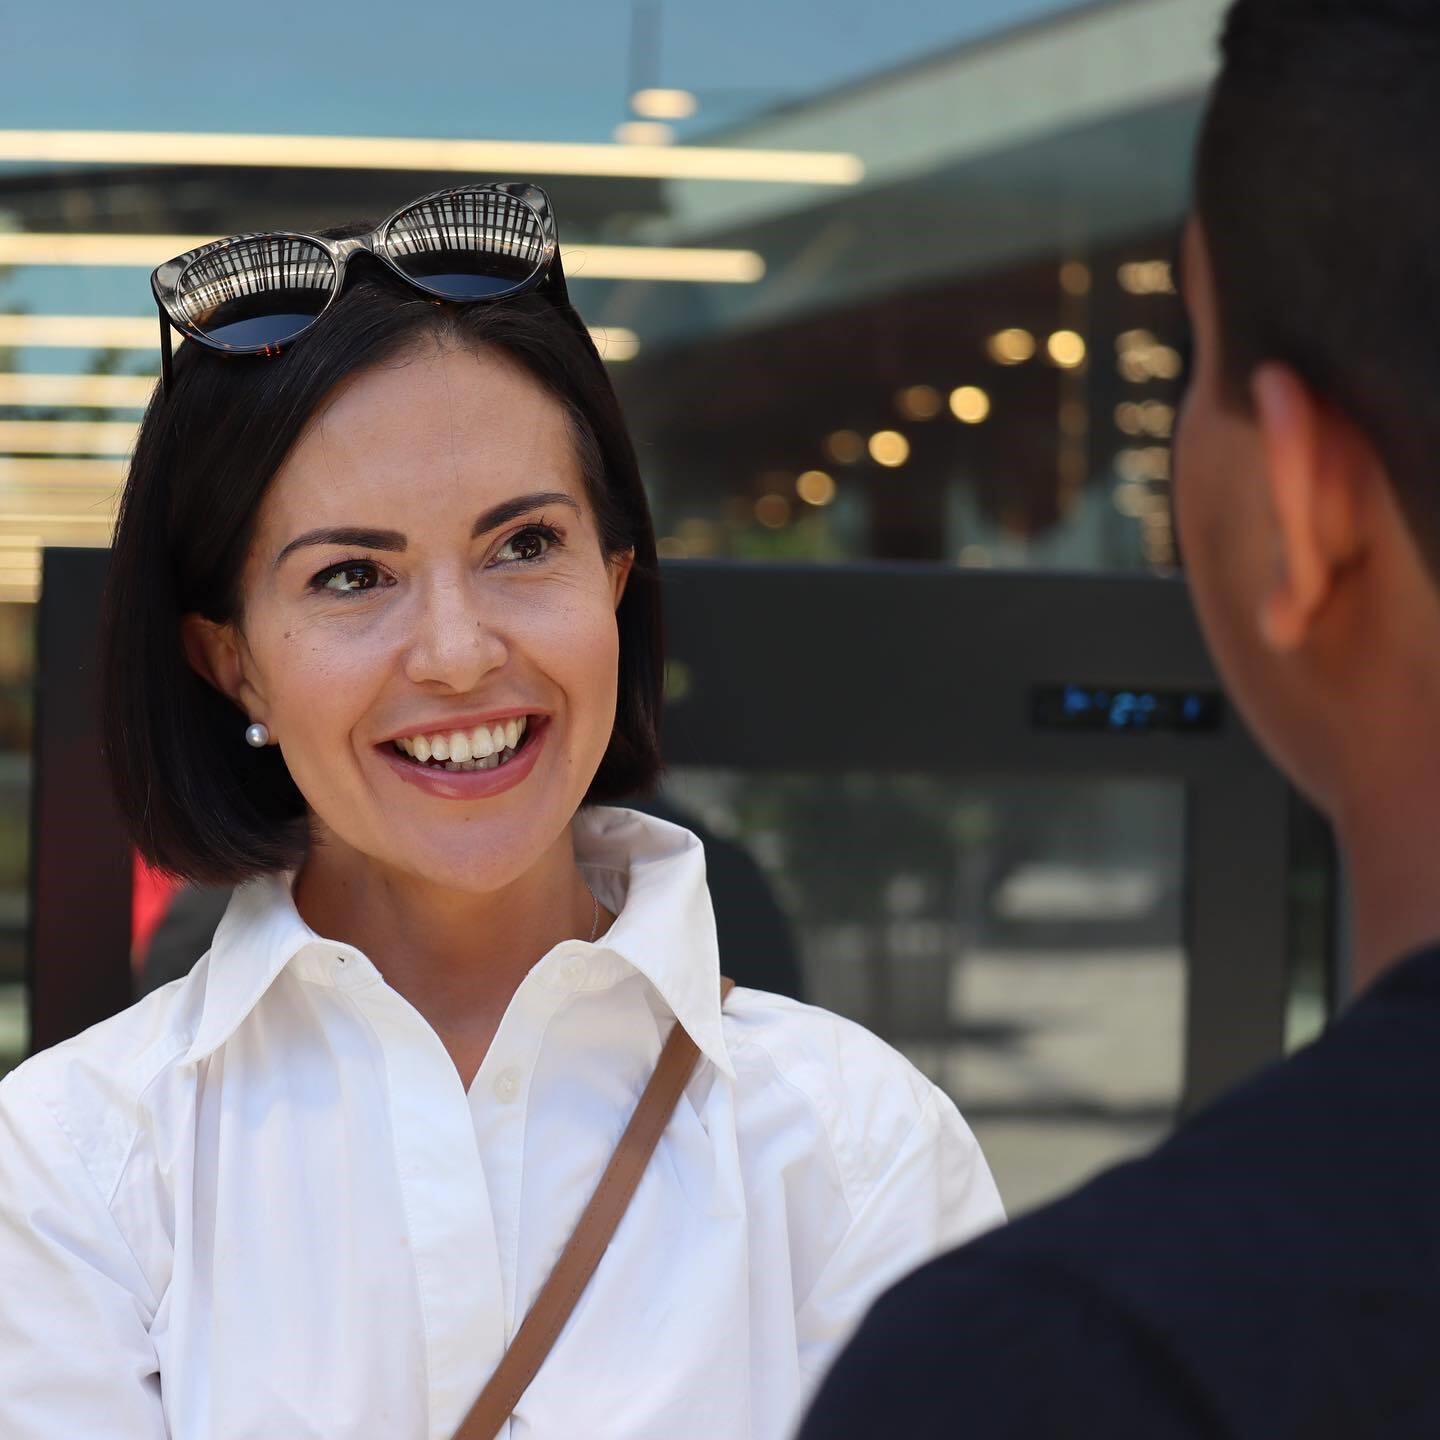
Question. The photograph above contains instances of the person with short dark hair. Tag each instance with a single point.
(382, 646)
(1273, 1270)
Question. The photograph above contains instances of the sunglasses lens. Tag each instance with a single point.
(257, 292)
(468, 244)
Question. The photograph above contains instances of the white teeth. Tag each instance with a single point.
(495, 744)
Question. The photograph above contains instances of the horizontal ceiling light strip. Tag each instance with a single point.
(22, 506)
(582, 262)
(47, 471)
(75, 529)
(67, 437)
(130, 392)
(125, 332)
(479, 157)
(101, 332)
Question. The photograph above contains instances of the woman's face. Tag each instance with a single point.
(429, 621)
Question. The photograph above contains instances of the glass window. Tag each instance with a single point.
(927, 313)
(1020, 941)
(898, 287)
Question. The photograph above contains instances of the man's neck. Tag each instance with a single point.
(1391, 846)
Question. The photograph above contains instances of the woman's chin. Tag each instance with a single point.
(476, 857)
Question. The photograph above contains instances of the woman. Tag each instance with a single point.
(382, 641)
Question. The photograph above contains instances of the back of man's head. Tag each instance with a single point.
(1318, 190)
(1307, 455)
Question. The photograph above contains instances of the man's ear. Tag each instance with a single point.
(620, 567)
(216, 652)
(1312, 470)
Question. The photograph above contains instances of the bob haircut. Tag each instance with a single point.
(199, 801)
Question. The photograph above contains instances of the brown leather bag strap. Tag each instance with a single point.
(592, 1234)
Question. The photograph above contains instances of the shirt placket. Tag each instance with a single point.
(448, 1208)
(500, 1100)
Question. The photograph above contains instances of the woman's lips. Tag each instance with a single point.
(470, 784)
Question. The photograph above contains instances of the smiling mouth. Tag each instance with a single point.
(485, 747)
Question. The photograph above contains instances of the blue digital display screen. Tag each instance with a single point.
(1125, 711)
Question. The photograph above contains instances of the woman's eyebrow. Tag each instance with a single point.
(508, 510)
(492, 519)
(345, 535)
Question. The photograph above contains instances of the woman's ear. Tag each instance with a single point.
(217, 654)
(620, 567)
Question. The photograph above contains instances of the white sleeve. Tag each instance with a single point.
(75, 1352)
(935, 1194)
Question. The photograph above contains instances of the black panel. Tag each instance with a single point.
(80, 870)
(947, 661)
(787, 668)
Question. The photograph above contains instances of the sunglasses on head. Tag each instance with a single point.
(256, 294)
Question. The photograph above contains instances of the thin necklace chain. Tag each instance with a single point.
(595, 924)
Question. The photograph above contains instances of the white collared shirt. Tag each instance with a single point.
(260, 1204)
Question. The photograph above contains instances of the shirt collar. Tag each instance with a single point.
(260, 934)
(650, 873)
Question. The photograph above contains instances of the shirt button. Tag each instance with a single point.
(507, 1085)
(571, 974)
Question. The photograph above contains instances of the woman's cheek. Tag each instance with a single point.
(322, 682)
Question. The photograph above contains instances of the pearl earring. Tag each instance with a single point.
(257, 735)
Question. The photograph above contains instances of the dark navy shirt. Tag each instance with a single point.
(1271, 1271)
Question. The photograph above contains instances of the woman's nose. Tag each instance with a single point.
(455, 643)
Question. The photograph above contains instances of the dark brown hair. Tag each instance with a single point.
(1315, 192)
(199, 801)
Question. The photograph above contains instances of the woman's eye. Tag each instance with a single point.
(531, 543)
(348, 579)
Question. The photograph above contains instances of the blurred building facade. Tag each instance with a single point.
(926, 315)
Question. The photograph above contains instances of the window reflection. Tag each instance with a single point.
(1021, 942)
